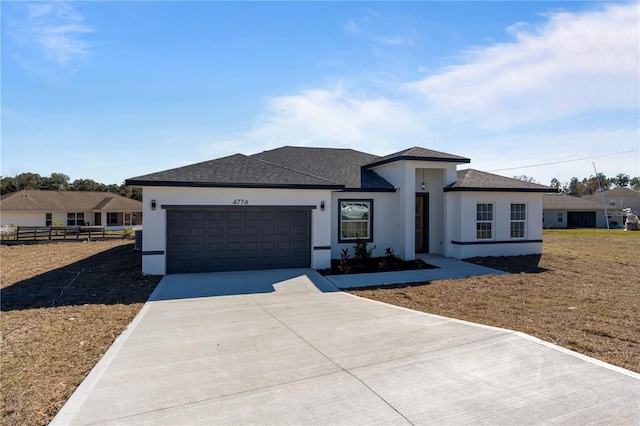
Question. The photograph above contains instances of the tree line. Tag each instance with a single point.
(590, 185)
(61, 181)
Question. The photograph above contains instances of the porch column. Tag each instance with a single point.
(407, 212)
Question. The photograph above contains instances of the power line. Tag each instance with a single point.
(564, 161)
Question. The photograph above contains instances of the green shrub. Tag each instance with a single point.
(361, 250)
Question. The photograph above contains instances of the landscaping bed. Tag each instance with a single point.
(376, 264)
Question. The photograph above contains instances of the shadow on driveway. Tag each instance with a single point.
(286, 281)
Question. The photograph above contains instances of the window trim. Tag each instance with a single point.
(76, 217)
(369, 220)
(490, 222)
(560, 217)
(523, 221)
(116, 221)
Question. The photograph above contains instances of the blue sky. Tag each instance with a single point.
(113, 90)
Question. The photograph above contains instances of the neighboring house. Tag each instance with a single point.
(70, 208)
(615, 200)
(565, 211)
(299, 207)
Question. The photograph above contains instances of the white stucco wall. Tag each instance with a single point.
(154, 237)
(36, 218)
(386, 226)
(462, 207)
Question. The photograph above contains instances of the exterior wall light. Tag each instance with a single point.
(322, 206)
(153, 204)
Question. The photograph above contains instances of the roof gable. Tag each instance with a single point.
(37, 200)
(475, 180)
(233, 171)
(418, 154)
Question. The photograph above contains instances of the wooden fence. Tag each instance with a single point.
(59, 232)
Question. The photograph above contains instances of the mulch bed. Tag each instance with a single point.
(375, 264)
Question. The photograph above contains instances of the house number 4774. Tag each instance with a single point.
(240, 202)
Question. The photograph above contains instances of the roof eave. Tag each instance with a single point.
(410, 158)
(473, 189)
(141, 183)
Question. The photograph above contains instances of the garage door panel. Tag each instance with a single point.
(198, 216)
(216, 231)
(220, 240)
(199, 231)
(234, 216)
(267, 231)
(215, 216)
(251, 231)
(251, 246)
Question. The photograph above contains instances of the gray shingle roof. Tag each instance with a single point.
(557, 201)
(234, 171)
(419, 154)
(341, 166)
(67, 201)
(475, 180)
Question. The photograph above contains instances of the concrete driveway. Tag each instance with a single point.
(286, 347)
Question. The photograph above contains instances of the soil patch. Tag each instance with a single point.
(63, 304)
(583, 293)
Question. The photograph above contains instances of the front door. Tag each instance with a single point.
(422, 220)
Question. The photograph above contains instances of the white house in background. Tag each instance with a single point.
(69, 208)
(617, 199)
(299, 207)
(565, 211)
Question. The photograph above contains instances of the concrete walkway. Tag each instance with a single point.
(288, 348)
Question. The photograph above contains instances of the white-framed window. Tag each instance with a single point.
(484, 221)
(356, 219)
(75, 219)
(112, 219)
(560, 217)
(518, 220)
(48, 219)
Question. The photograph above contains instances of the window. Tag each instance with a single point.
(484, 221)
(48, 219)
(560, 217)
(518, 220)
(112, 219)
(355, 220)
(75, 219)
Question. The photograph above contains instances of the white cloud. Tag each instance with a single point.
(56, 28)
(525, 102)
(328, 118)
(572, 64)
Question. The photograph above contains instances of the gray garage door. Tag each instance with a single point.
(209, 240)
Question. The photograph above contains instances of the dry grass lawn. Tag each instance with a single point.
(583, 293)
(63, 304)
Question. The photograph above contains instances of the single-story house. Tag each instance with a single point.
(565, 211)
(299, 207)
(617, 199)
(69, 208)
